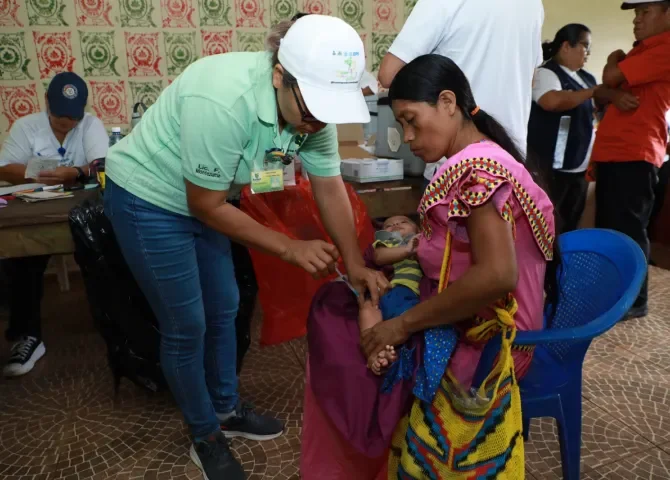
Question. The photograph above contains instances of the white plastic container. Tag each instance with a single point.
(367, 170)
(389, 142)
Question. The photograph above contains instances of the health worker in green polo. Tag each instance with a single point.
(227, 121)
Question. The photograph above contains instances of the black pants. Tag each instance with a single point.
(624, 202)
(4, 288)
(659, 192)
(26, 286)
(568, 191)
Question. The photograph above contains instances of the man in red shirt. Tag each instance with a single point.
(630, 145)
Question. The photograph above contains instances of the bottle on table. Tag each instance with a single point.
(115, 137)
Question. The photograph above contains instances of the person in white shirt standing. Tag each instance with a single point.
(64, 132)
(497, 43)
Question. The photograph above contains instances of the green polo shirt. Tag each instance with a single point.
(213, 125)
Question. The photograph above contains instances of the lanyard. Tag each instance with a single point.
(276, 155)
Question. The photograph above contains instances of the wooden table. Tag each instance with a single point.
(385, 199)
(28, 229)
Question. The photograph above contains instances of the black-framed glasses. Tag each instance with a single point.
(306, 117)
(586, 45)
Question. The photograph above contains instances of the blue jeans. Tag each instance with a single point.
(185, 270)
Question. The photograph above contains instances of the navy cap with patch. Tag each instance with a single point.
(67, 95)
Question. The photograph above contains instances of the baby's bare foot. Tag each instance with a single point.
(384, 360)
(375, 363)
(391, 354)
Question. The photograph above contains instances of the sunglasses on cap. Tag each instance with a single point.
(306, 117)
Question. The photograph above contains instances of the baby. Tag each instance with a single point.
(395, 245)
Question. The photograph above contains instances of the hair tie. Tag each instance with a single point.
(475, 111)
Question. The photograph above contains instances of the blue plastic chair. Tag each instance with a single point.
(601, 276)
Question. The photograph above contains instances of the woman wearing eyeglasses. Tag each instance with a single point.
(224, 123)
(561, 126)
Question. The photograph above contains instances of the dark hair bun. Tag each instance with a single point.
(549, 50)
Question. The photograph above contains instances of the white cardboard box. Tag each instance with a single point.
(367, 170)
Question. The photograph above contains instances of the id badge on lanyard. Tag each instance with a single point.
(270, 176)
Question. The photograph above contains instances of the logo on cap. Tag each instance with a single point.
(349, 75)
(70, 91)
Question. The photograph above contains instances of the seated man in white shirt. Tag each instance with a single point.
(76, 139)
(497, 44)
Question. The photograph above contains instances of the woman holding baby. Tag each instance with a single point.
(486, 249)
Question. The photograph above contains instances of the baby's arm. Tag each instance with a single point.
(385, 255)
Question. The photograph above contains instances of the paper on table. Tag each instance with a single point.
(19, 188)
(39, 164)
(42, 196)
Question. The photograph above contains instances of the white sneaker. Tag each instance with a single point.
(24, 354)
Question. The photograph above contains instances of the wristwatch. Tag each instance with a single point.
(81, 176)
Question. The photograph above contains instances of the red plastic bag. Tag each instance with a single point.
(285, 292)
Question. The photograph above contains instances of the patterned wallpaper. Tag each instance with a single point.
(129, 50)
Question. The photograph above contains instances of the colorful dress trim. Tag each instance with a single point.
(474, 191)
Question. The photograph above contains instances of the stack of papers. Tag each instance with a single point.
(11, 189)
(42, 196)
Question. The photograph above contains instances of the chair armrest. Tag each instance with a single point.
(584, 332)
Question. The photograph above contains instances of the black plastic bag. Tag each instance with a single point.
(246, 282)
(121, 312)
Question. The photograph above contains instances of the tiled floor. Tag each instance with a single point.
(62, 420)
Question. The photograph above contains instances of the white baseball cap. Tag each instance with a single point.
(326, 56)
(630, 4)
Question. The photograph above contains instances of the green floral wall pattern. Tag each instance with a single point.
(129, 50)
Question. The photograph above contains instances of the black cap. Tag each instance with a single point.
(67, 95)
